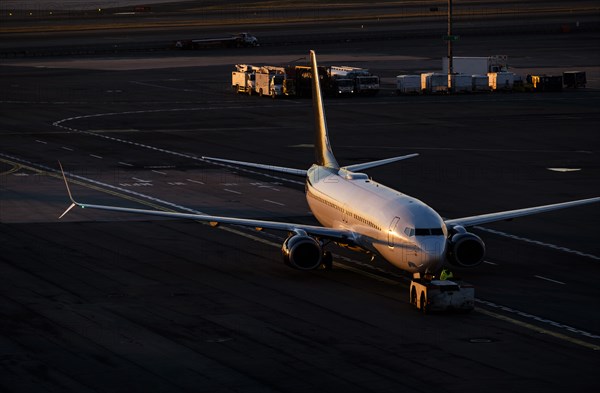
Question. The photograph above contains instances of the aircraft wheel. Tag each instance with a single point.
(423, 304)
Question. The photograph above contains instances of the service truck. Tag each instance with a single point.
(243, 79)
(428, 294)
(302, 79)
(476, 65)
(269, 81)
(236, 40)
(364, 82)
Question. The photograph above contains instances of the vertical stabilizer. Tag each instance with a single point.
(323, 153)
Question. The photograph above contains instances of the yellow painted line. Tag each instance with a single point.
(538, 329)
(15, 168)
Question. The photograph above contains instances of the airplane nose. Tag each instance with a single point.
(433, 249)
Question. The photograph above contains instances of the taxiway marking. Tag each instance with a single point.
(95, 156)
(66, 148)
(42, 142)
(232, 191)
(159, 172)
(537, 242)
(125, 163)
(538, 329)
(551, 280)
(273, 202)
(194, 181)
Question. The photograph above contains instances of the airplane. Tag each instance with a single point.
(358, 213)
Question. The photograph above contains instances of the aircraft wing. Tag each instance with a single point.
(510, 214)
(329, 233)
(372, 164)
(289, 171)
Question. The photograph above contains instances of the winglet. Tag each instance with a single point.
(73, 203)
(323, 153)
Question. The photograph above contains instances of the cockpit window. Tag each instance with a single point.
(410, 232)
(429, 231)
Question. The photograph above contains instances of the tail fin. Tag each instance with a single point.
(323, 154)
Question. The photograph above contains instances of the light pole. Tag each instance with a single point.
(450, 39)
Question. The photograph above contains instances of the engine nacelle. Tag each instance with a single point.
(465, 249)
(302, 252)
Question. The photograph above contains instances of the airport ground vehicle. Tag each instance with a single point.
(441, 295)
(269, 81)
(301, 78)
(364, 82)
(244, 78)
(236, 40)
(476, 65)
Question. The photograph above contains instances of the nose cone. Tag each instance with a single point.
(433, 251)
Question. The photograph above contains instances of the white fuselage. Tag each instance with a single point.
(405, 231)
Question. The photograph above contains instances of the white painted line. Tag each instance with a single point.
(95, 156)
(228, 190)
(124, 163)
(551, 280)
(539, 243)
(194, 181)
(273, 202)
(66, 148)
(564, 169)
(141, 180)
(159, 172)
(42, 142)
(490, 263)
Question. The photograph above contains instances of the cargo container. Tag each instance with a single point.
(408, 84)
(476, 65)
(546, 82)
(480, 83)
(574, 79)
(461, 83)
(501, 81)
(433, 82)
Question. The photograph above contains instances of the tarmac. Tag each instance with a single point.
(110, 302)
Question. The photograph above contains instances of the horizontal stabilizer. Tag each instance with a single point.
(281, 169)
(372, 164)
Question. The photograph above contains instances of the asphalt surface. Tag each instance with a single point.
(102, 301)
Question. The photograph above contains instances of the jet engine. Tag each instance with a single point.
(302, 252)
(465, 249)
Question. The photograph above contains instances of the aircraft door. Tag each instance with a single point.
(392, 231)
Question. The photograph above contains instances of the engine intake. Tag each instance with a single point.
(302, 252)
(465, 249)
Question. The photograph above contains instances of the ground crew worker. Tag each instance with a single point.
(446, 274)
